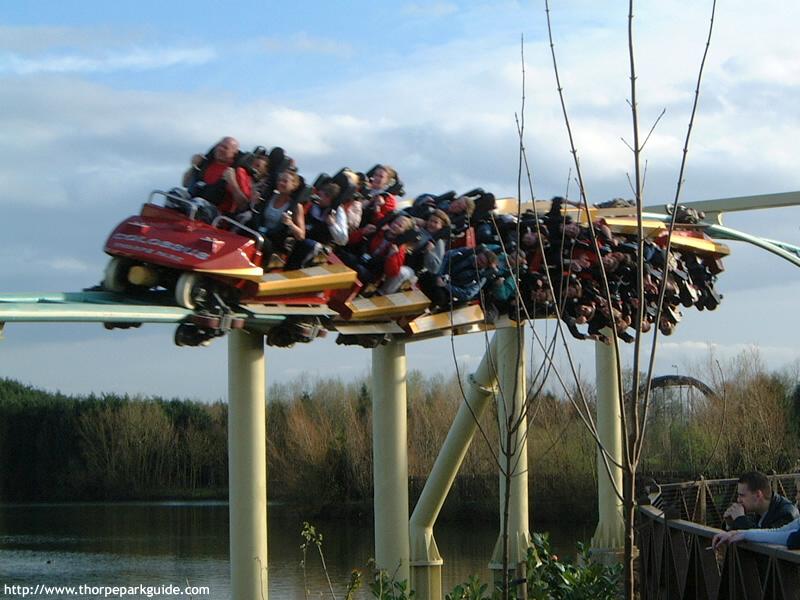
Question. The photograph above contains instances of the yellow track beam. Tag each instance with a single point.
(394, 305)
(348, 328)
(466, 315)
(701, 246)
(653, 228)
(650, 227)
(311, 279)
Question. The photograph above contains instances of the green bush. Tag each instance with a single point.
(385, 587)
(472, 589)
(551, 579)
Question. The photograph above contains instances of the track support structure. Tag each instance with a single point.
(426, 562)
(390, 459)
(247, 465)
(511, 408)
(609, 537)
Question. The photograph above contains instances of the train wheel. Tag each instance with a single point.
(188, 334)
(189, 290)
(206, 321)
(115, 277)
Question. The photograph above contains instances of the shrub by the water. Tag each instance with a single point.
(548, 577)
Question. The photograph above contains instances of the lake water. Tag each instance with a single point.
(186, 543)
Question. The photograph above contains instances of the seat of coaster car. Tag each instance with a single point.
(346, 179)
(276, 261)
(464, 240)
(197, 208)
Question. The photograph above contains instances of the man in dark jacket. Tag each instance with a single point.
(461, 276)
(757, 507)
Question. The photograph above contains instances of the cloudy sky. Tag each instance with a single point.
(102, 102)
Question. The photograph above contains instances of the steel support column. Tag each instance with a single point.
(426, 562)
(511, 408)
(390, 459)
(609, 537)
(247, 465)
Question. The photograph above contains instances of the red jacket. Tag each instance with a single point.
(389, 205)
(214, 172)
(380, 247)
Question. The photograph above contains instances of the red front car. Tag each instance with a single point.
(168, 247)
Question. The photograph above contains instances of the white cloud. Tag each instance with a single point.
(430, 10)
(704, 347)
(136, 59)
(438, 112)
(305, 43)
(68, 263)
(41, 258)
(23, 39)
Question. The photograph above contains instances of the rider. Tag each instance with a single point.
(326, 225)
(217, 178)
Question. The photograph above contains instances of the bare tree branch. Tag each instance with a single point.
(582, 188)
(624, 141)
(644, 143)
(663, 287)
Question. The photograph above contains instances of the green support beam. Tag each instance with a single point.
(715, 208)
(106, 307)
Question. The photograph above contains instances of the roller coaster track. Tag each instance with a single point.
(782, 249)
(714, 209)
(154, 307)
(786, 251)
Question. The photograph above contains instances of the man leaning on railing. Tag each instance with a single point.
(788, 535)
(757, 507)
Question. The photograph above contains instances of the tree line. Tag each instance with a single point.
(319, 437)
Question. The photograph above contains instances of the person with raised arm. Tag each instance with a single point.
(757, 507)
(218, 178)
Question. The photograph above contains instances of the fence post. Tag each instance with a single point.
(701, 500)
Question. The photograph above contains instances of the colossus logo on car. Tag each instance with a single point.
(180, 248)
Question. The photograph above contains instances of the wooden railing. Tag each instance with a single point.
(676, 562)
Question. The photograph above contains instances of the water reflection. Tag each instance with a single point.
(173, 543)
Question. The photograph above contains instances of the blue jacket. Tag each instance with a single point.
(464, 281)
